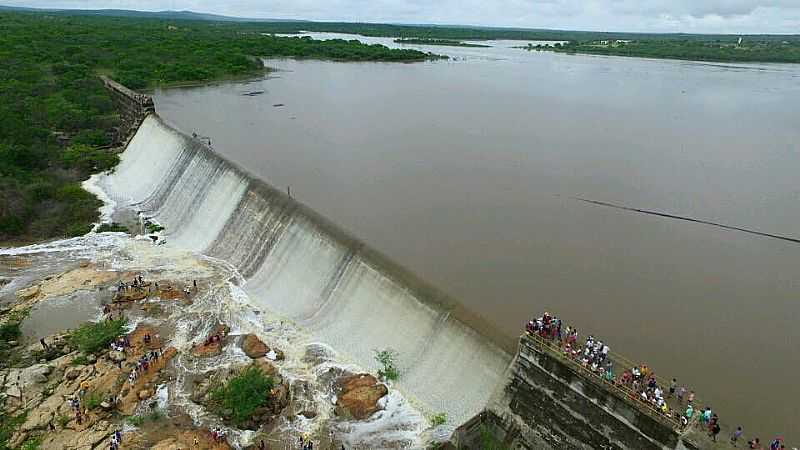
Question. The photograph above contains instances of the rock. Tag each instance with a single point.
(267, 367)
(254, 347)
(116, 356)
(92, 359)
(72, 374)
(318, 353)
(279, 356)
(28, 293)
(358, 396)
(106, 405)
(12, 343)
(144, 394)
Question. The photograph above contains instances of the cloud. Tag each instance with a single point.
(698, 16)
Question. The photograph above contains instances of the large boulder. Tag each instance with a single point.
(254, 347)
(359, 395)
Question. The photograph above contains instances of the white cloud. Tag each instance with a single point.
(699, 16)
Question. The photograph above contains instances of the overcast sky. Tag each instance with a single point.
(698, 16)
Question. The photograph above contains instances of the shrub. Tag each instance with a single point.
(388, 360)
(243, 394)
(153, 227)
(93, 400)
(32, 443)
(94, 337)
(10, 331)
(136, 421)
(439, 419)
(112, 227)
(8, 425)
(63, 420)
(80, 360)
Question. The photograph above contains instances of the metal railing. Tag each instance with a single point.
(622, 391)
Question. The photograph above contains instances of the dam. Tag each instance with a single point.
(303, 268)
(297, 264)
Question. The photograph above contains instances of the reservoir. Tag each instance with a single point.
(468, 172)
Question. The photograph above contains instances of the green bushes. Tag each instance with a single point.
(243, 394)
(112, 227)
(388, 360)
(94, 337)
(439, 419)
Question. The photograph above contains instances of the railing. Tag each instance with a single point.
(621, 391)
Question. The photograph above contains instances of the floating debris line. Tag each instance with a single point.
(689, 219)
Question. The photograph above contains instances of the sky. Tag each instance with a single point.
(690, 16)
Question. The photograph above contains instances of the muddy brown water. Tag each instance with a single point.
(466, 171)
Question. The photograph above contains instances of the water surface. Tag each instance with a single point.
(465, 171)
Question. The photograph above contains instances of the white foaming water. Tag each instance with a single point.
(304, 269)
(109, 205)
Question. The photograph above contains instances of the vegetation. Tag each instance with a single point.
(154, 415)
(719, 50)
(439, 419)
(33, 443)
(93, 400)
(8, 425)
(445, 42)
(57, 122)
(153, 227)
(112, 227)
(243, 394)
(9, 331)
(489, 441)
(388, 360)
(94, 337)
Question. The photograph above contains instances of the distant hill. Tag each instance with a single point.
(169, 15)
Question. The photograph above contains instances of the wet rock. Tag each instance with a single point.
(359, 396)
(254, 347)
(318, 353)
(267, 367)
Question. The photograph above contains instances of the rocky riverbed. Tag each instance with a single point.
(189, 330)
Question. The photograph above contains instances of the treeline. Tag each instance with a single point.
(57, 120)
(748, 51)
(444, 42)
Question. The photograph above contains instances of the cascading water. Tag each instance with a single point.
(301, 267)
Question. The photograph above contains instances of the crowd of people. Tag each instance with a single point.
(639, 381)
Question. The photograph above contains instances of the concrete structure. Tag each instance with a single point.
(547, 403)
(133, 107)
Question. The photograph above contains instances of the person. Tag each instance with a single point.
(737, 434)
(715, 431)
(776, 444)
(691, 397)
(681, 393)
(672, 386)
(44, 344)
(754, 443)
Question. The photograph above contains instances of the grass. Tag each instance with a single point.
(136, 421)
(93, 400)
(153, 416)
(80, 360)
(243, 394)
(63, 420)
(153, 227)
(387, 358)
(10, 331)
(489, 441)
(34, 443)
(8, 425)
(95, 337)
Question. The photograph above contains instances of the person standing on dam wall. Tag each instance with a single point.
(643, 388)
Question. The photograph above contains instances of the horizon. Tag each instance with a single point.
(745, 17)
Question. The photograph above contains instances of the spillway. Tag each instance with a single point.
(300, 266)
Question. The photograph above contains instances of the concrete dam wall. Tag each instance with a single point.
(548, 404)
(304, 268)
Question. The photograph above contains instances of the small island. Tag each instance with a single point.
(444, 42)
